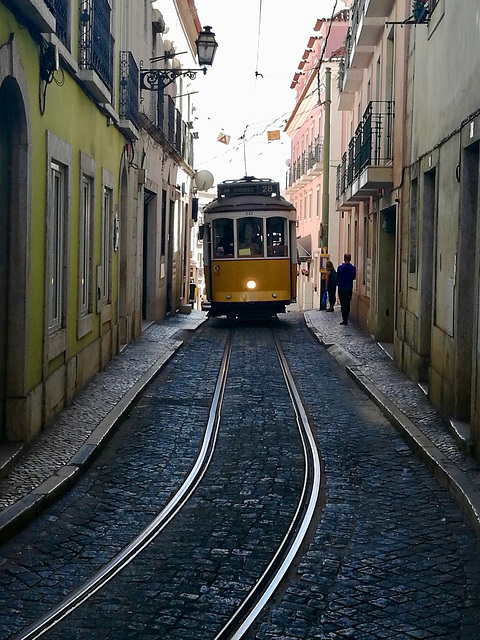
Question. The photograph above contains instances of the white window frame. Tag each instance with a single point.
(107, 200)
(56, 240)
(86, 246)
(85, 282)
(105, 269)
(57, 244)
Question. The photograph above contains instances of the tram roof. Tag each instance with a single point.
(251, 192)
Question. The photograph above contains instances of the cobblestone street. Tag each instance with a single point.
(391, 554)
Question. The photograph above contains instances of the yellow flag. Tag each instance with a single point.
(273, 135)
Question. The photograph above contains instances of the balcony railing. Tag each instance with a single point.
(59, 9)
(96, 41)
(371, 145)
(166, 126)
(341, 73)
(307, 160)
(315, 152)
(129, 77)
(178, 131)
(171, 120)
(190, 150)
(160, 106)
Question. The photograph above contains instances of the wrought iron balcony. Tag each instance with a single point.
(315, 156)
(367, 27)
(163, 121)
(371, 147)
(96, 41)
(307, 165)
(170, 120)
(59, 9)
(129, 78)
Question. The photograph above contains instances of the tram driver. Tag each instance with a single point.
(250, 237)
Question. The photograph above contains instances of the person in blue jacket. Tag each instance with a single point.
(346, 274)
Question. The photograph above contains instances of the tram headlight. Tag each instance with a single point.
(251, 284)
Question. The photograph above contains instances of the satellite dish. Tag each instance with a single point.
(204, 180)
(288, 162)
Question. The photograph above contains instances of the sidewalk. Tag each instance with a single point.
(53, 461)
(405, 404)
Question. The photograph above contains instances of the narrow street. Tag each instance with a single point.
(388, 554)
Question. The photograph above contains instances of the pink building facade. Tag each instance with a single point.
(314, 129)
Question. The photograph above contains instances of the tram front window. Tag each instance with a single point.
(276, 238)
(250, 238)
(223, 238)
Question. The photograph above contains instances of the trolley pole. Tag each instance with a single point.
(326, 160)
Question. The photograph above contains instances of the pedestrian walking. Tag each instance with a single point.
(346, 274)
(330, 283)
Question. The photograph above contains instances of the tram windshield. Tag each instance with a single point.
(250, 237)
(276, 237)
(223, 238)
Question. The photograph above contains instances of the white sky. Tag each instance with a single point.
(231, 99)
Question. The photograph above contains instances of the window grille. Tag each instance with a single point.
(129, 77)
(96, 42)
(59, 9)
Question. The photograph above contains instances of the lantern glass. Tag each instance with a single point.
(206, 47)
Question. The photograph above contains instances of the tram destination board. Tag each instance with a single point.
(263, 188)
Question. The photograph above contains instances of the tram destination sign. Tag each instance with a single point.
(263, 188)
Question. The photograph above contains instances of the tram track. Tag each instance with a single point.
(267, 584)
(285, 555)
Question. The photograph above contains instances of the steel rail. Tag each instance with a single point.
(268, 583)
(185, 491)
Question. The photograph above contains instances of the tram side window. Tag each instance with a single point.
(250, 237)
(223, 238)
(276, 238)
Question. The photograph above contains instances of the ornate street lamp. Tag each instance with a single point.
(206, 47)
(152, 79)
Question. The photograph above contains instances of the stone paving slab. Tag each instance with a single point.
(54, 460)
(405, 404)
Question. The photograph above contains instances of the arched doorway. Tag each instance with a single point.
(5, 147)
(15, 206)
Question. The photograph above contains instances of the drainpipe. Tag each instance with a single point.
(326, 159)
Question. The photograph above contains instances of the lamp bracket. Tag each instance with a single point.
(153, 79)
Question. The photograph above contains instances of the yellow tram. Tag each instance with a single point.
(249, 249)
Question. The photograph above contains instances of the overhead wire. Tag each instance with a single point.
(258, 40)
(242, 140)
(324, 48)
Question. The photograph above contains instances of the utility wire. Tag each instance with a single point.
(258, 40)
(324, 49)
